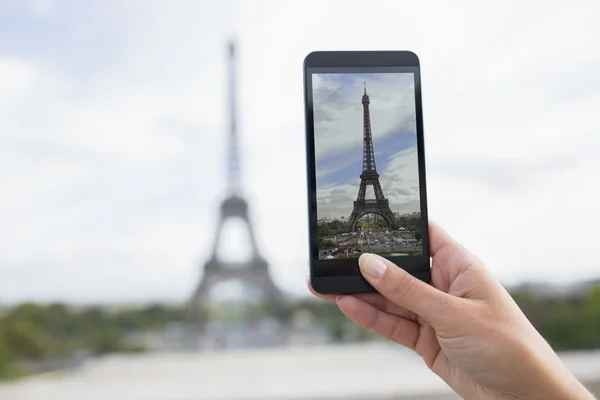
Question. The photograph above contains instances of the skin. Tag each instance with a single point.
(464, 325)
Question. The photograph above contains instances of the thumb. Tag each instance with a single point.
(403, 289)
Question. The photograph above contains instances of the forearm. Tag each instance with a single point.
(567, 388)
(553, 381)
(539, 374)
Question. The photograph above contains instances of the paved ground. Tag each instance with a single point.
(355, 372)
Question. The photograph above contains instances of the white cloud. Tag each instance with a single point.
(16, 79)
(114, 177)
(108, 181)
(42, 8)
(400, 181)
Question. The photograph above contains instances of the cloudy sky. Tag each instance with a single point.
(338, 114)
(113, 122)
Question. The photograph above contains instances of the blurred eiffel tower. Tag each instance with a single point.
(255, 270)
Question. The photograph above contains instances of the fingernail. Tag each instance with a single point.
(372, 265)
(337, 299)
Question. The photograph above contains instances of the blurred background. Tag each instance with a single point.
(113, 174)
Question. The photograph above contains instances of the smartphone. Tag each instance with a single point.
(365, 166)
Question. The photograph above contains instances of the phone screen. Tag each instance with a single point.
(368, 194)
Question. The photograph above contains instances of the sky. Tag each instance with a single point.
(113, 135)
(338, 120)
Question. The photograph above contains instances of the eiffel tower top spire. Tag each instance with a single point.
(233, 178)
(368, 153)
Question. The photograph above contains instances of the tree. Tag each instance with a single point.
(323, 230)
(562, 328)
(109, 340)
(326, 244)
(6, 359)
(30, 312)
(26, 341)
(590, 317)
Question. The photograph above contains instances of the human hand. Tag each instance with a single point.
(464, 325)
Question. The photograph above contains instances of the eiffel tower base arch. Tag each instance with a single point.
(362, 208)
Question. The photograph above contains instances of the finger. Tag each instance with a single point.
(383, 304)
(374, 299)
(392, 327)
(403, 289)
(439, 238)
(450, 260)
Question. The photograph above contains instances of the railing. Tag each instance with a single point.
(371, 202)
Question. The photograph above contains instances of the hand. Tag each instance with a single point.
(465, 326)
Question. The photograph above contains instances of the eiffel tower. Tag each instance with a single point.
(369, 176)
(254, 271)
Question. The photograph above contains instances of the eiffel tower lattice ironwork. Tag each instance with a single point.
(369, 176)
(254, 271)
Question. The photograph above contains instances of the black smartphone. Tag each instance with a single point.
(365, 165)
